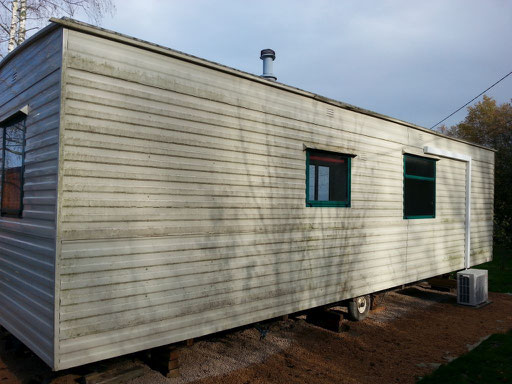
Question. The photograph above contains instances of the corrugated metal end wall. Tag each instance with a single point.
(183, 206)
(27, 244)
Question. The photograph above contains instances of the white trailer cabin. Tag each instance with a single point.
(149, 197)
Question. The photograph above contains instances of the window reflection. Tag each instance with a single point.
(13, 151)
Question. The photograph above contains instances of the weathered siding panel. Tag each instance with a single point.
(482, 196)
(27, 244)
(183, 203)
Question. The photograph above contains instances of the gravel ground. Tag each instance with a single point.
(410, 334)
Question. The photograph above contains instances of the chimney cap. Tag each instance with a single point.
(267, 53)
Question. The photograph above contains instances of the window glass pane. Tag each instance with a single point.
(327, 159)
(311, 191)
(328, 178)
(419, 197)
(12, 177)
(323, 183)
(418, 166)
(339, 190)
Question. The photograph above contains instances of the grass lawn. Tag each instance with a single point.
(491, 361)
(500, 270)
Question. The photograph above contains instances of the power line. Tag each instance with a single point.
(473, 99)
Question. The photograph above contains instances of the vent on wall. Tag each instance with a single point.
(14, 77)
(330, 112)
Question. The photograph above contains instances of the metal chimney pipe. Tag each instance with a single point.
(268, 56)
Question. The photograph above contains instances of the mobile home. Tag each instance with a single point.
(149, 197)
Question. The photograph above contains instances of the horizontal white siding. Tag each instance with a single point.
(27, 244)
(183, 203)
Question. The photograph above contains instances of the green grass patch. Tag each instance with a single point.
(490, 362)
(500, 270)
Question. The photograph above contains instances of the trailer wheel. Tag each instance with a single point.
(358, 308)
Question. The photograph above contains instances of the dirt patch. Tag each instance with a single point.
(409, 335)
(412, 333)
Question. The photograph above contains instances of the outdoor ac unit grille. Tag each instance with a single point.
(463, 289)
(472, 287)
(481, 289)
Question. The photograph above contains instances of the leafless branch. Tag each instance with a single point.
(39, 11)
(4, 28)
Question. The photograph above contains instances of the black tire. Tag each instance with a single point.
(358, 308)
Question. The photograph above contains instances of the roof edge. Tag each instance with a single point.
(32, 39)
(69, 23)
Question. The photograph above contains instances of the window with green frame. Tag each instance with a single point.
(327, 179)
(419, 187)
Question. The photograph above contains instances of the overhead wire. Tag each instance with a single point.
(473, 99)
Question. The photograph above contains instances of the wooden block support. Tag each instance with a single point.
(114, 376)
(284, 318)
(165, 360)
(326, 318)
(190, 342)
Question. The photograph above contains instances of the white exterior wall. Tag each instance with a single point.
(183, 203)
(27, 244)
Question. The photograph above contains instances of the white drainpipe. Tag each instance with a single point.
(458, 156)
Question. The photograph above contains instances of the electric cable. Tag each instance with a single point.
(473, 99)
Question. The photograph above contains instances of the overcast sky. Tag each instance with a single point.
(414, 60)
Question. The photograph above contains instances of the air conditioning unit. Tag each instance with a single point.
(472, 287)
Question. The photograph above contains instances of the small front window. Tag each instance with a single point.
(13, 155)
(327, 179)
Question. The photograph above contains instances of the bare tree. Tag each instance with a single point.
(14, 25)
(19, 17)
(22, 31)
